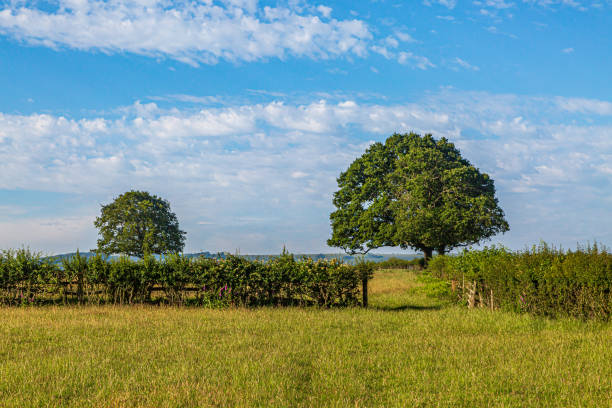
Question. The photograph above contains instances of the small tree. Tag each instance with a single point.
(414, 191)
(138, 223)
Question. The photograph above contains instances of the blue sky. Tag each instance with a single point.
(242, 113)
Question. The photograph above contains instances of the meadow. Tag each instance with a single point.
(411, 347)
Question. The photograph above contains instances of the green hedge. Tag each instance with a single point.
(28, 278)
(398, 263)
(542, 280)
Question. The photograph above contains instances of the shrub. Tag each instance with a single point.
(542, 280)
(179, 280)
(434, 287)
(24, 276)
(330, 282)
(398, 263)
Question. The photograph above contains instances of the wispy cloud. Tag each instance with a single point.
(496, 4)
(50, 234)
(405, 37)
(450, 4)
(579, 5)
(418, 61)
(498, 10)
(586, 106)
(202, 32)
(403, 57)
(193, 32)
(460, 63)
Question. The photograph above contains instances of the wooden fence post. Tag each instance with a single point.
(80, 286)
(472, 295)
(364, 292)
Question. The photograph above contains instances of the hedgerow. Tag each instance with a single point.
(541, 280)
(398, 263)
(27, 277)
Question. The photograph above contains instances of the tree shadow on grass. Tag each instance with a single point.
(399, 308)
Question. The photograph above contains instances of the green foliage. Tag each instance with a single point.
(75, 270)
(434, 287)
(542, 280)
(413, 191)
(178, 280)
(330, 282)
(365, 269)
(23, 276)
(398, 263)
(138, 223)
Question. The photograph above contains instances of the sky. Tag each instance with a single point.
(242, 113)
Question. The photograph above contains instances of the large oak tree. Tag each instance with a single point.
(414, 191)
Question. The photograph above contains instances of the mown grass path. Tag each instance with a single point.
(406, 350)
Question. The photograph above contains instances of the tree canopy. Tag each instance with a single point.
(138, 223)
(414, 191)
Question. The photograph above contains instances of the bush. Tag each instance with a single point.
(542, 280)
(24, 276)
(398, 263)
(175, 279)
(434, 287)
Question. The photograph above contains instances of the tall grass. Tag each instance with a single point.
(408, 350)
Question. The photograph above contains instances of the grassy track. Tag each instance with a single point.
(407, 350)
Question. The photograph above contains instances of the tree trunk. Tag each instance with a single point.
(427, 253)
(441, 251)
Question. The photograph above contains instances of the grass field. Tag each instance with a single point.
(406, 350)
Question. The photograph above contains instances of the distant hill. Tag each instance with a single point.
(344, 257)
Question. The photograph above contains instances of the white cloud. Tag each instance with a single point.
(200, 32)
(405, 37)
(464, 64)
(391, 42)
(497, 4)
(403, 57)
(569, 3)
(11, 211)
(205, 31)
(450, 4)
(278, 162)
(384, 51)
(587, 106)
(498, 10)
(192, 32)
(325, 11)
(567, 50)
(418, 61)
(50, 235)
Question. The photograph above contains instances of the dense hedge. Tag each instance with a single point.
(398, 263)
(543, 280)
(28, 278)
